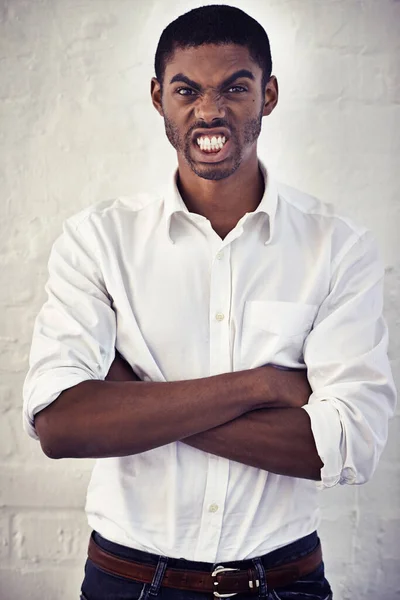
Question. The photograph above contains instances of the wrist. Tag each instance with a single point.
(265, 391)
(286, 387)
(274, 394)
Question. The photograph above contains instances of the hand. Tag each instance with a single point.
(120, 370)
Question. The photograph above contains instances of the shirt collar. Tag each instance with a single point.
(174, 204)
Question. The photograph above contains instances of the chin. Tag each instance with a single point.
(213, 172)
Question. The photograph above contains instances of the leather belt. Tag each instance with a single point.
(222, 582)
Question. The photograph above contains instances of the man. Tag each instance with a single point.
(219, 349)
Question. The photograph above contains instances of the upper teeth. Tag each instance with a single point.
(213, 143)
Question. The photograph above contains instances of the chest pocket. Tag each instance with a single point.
(274, 332)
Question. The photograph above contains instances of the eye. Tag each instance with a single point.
(237, 89)
(185, 91)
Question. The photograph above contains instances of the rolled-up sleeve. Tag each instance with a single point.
(353, 394)
(74, 333)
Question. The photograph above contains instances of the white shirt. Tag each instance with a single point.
(292, 284)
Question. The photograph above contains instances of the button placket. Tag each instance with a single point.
(220, 302)
(220, 362)
(213, 509)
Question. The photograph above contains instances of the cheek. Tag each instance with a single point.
(179, 115)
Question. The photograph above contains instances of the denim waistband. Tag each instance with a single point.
(296, 549)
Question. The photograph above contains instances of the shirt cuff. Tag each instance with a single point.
(327, 431)
(47, 389)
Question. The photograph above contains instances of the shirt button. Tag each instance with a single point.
(219, 256)
(220, 317)
(213, 508)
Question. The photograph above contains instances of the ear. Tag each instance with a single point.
(271, 96)
(155, 90)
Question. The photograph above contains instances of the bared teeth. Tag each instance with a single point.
(213, 144)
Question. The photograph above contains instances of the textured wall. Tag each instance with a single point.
(77, 126)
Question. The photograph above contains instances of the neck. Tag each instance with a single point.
(226, 201)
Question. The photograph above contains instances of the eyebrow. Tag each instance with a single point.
(181, 78)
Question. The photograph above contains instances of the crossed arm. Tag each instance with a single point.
(278, 440)
(252, 417)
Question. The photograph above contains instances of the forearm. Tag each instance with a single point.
(119, 418)
(278, 440)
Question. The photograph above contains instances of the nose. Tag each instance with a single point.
(209, 107)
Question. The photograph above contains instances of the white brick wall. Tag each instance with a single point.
(77, 126)
(63, 536)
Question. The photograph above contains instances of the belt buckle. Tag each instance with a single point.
(216, 572)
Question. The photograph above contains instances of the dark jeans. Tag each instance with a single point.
(98, 585)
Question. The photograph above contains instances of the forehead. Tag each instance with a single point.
(210, 63)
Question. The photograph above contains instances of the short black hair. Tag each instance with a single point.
(214, 24)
